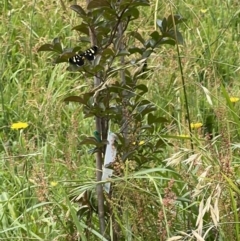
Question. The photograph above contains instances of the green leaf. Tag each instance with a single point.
(108, 52)
(83, 28)
(177, 19)
(137, 36)
(160, 143)
(161, 120)
(142, 110)
(57, 45)
(79, 10)
(133, 50)
(102, 32)
(64, 57)
(108, 16)
(147, 53)
(135, 3)
(146, 109)
(177, 36)
(141, 3)
(151, 118)
(93, 150)
(127, 155)
(83, 211)
(123, 53)
(138, 72)
(84, 39)
(150, 43)
(162, 24)
(167, 41)
(98, 4)
(131, 12)
(82, 100)
(143, 88)
(143, 103)
(46, 47)
(89, 141)
(155, 35)
(75, 99)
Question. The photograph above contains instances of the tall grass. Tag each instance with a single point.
(185, 195)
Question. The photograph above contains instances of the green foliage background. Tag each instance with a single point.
(181, 194)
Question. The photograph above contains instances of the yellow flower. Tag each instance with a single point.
(196, 125)
(140, 143)
(204, 10)
(19, 125)
(53, 184)
(234, 99)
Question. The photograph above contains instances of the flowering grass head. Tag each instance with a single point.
(184, 136)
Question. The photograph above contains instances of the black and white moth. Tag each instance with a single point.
(89, 54)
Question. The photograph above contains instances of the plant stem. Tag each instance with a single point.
(100, 129)
(99, 187)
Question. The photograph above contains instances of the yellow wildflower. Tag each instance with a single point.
(19, 125)
(234, 99)
(196, 125)
(204, 10)
(53, 184)
(140, 143)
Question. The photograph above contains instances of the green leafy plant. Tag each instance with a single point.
(118, 101)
